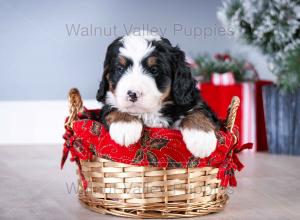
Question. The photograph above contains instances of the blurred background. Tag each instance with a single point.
(42, 56)
(47, 47)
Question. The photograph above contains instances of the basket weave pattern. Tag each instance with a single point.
(149, 192)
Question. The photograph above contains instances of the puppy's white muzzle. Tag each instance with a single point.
(137, 92)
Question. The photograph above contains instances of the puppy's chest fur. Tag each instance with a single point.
(155, 119)
(169, 116)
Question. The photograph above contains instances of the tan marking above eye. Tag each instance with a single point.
(122, 60)
(152, 61)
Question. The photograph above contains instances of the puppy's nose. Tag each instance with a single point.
(133, 95)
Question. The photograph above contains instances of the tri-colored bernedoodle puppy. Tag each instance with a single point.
(146, 82)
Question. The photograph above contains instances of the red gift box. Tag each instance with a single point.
(250, 116)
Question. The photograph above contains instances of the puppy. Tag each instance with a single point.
(146, 81)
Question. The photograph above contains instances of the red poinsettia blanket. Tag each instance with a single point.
(158, 147)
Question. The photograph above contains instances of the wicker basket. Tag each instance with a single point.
(150, 192)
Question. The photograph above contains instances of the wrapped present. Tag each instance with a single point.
(225, 79)
(250, 119)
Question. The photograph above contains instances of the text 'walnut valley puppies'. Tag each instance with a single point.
(147, 82)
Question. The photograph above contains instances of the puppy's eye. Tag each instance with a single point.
(154, 69)
(120, 68)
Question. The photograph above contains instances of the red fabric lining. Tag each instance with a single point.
(159, 147)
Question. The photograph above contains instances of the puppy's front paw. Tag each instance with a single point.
(199, 143)
(126, 133)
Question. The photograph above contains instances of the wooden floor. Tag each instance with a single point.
(32, 186)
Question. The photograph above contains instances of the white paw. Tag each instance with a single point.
(126, 133)
(199, 143)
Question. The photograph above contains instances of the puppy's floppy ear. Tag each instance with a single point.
(184, 86)
(111, 52)
(103, 87)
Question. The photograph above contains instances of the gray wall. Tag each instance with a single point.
(39, 60)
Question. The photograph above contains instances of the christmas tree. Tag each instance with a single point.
(274, 27)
